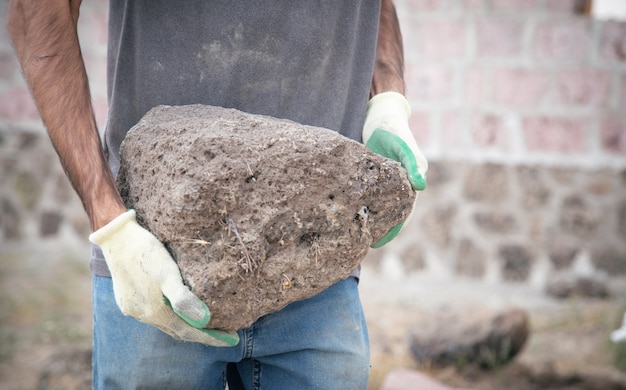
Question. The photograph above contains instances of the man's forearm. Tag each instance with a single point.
(46, 43)
(389, 65)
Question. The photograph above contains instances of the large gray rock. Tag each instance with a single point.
(482, 337)
(258, 212)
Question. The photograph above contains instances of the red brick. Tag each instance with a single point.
(614, 135)
(564, 40)
(583, 88)
(474, 5)
(499, 37)
(513, 5)
(454, 129)
(520, 87)
(488, 131)
(566, 6)
(477, 85)
(419, 122)
(442, 39)
(17, 104)
(429, 84)
(549, 134)
(613, 41)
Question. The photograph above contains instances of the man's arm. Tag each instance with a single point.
(46, 42)
(389, 65)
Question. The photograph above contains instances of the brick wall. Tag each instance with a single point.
(515, 81)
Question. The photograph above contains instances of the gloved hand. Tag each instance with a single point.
(386, 132)
(148, 285)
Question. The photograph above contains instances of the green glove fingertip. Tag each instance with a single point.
(418, 182)
(196, 323)
(228, 339)
(390, 235)
(225, 338)
(200, 322)
(391, 146)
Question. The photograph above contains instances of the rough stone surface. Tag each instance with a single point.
(568, 285)
(516, 261)
(440, 221)
(534, 191)
(495, 222)
(610, 260)
(561, 256)
(50, 223)
(413, 258)
(470, 260)
(577, 217)
(486, 183)
(489, 338)
(258, 212)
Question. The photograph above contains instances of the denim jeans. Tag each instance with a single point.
(317, 343)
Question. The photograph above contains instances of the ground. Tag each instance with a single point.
(45, 328)
(568, 347)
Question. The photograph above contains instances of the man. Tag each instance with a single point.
(317, 63)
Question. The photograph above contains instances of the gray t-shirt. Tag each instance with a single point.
(308, 61)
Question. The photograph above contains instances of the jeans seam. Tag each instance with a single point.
(247, 353)
(256, 374)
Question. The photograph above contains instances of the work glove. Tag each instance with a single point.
(148, 286)
(386, 132)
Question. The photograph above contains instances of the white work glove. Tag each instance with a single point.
(386, 132)
(148, 285)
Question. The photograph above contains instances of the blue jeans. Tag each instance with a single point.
(317, 343)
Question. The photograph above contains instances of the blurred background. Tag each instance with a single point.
(512, 272)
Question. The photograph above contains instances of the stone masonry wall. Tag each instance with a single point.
(517, 104)
(514, 224)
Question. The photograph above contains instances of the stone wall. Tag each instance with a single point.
(513, 224)
(37, 204)
(518, 105)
